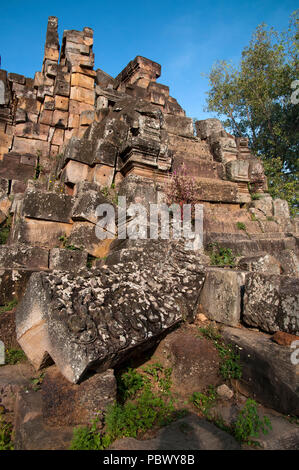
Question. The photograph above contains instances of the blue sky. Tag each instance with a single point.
(185, 37)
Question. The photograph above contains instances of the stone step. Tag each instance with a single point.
(243, 246)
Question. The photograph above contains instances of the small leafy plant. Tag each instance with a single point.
(204, 402)
(66, 245)
(37, 382)
(230, 367)
(5, 230)
(241, 226)
(255, 196)
(5, 434)
(8, 306)
(181, 188)
(145, 401)
(14, 356)
(221, 256)
(249, 424)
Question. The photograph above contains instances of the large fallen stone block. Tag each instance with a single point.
(268, 373)
(96, 318)
(271, 303)
(221, 295)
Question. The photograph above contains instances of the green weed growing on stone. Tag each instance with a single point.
(204, 402)
(221, 256)
(230, 367)
(8, 306)
(5, 434)
(66, 245)
(249, 424)
(5, 230)
(145, 402)
(241, 226)
(14, 356)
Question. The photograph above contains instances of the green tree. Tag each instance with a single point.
(254, 100)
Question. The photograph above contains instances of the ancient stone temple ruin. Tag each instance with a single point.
(73, 138)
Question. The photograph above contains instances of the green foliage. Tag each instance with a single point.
(66, 245)
(14, 356)
(87, 438)
(105, 191)
(130, 383)
(204, 402)
(37, 382)
(5, 434)
(90, 261)
(221, 256)
(8, 306)
(249, 424)
(255, 196)
(255, 100)
(253, 217)
(5, 230)
(241, 226)
(141, 407)
(230, 367)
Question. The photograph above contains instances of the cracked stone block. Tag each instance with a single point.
(86, 204)
(271, 303)
(221, 295)
(97, 317)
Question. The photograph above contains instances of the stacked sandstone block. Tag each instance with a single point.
(38, 116)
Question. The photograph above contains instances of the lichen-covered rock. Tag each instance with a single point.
(67, 259)
(220, 298)
(47, 206)
(22, 255)
(271, 303)
(263, 263)
(86, 204)
(97, 317)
